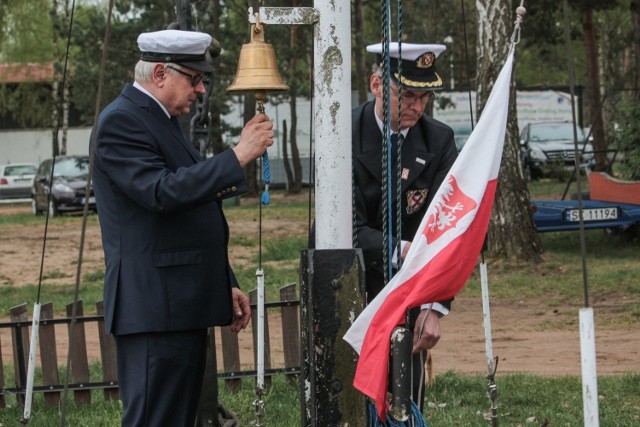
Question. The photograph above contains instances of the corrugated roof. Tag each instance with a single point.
(27, 72)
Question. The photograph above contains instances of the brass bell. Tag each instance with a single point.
(257, 69)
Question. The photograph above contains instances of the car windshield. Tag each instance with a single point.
(18, 170)
(73, 167)
(554, 132)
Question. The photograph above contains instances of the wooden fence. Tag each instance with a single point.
(234, 367)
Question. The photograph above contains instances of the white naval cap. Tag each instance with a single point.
(186, 48)
(418, 64)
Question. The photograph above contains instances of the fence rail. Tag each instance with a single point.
(234, 367)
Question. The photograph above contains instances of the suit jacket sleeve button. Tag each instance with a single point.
(219, 194)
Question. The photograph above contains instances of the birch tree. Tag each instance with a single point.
(511, 231)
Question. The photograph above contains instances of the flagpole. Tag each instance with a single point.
(488, 342)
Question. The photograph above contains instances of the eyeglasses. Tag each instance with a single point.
(195, 78)
(408, 97)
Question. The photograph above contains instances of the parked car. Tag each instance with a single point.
(550, 146)
(613, 204)
(461, 135)
(16, 180)
(562, 215)
(68, 188)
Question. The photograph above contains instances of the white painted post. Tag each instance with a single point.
(332, 115)
(589, 374)
(486, 313)
(35, 329)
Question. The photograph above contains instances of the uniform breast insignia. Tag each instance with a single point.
(416, 199)
(405, 174)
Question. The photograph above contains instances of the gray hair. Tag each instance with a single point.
(376, 69)
(144, 70)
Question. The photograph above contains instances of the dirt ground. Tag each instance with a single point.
(522, 337)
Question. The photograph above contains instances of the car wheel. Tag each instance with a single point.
(34, 207)
(53, 209)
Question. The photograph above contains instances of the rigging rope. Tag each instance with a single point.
(386, 131)
(398, 163)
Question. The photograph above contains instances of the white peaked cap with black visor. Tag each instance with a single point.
(418, 64)
(185, 48)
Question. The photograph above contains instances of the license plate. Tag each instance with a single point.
(92, 200)
(592, 214)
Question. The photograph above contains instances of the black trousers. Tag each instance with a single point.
(160, 377)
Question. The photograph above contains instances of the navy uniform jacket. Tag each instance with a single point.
(164, 233)
(428, 153)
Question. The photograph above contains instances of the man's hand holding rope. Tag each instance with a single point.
(426, 333)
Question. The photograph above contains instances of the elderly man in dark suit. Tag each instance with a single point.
(427, 153)
(165, 237)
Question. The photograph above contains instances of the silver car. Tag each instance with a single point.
(16, 180)
(550, 145)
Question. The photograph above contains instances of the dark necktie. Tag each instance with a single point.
(394, 154)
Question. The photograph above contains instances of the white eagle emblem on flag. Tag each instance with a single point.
(449, 209)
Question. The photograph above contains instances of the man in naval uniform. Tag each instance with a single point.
(168, 277)
(427, 153)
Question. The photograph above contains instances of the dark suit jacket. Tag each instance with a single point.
(428, 153)
(164, 233)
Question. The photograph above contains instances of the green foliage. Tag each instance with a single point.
(628, 139)
(27, 105)
(25, 31)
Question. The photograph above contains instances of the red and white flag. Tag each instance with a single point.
(445, 248)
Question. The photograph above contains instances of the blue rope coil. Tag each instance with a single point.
(266, 175)
(415, 420)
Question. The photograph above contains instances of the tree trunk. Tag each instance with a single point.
(55, 148)
(55, 87)
(595, 104)
(511, 231)
(285, 155)
(296, 186)
(361, 80)
(65, 117)
(215, 144)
